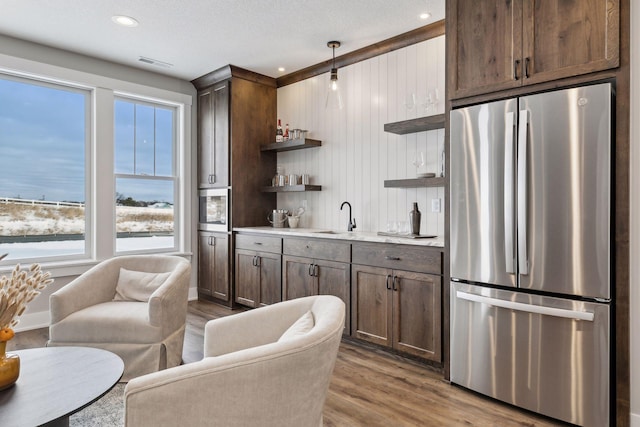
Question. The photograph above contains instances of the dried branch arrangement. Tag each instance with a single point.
(16, 291)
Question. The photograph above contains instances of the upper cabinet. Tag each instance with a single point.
(213, 136)
(497, 44)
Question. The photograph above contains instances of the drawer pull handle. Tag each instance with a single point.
(257, 243)
(395, 283)
(388, 278)
(392, 258)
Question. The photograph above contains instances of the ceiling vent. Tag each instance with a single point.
(155, 62)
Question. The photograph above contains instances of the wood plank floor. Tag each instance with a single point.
(369, 387)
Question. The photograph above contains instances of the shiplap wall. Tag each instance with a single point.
(356, 154)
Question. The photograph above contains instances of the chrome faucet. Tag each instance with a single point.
(351, 225)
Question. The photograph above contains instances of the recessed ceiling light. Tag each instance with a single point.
(425, 15)
(281, 69)
(125, 21)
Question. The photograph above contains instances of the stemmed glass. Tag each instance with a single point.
(418, 162)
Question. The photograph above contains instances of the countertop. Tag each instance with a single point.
(357, 236)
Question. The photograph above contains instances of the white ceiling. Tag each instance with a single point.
(199, 36)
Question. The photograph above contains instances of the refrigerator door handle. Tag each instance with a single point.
(527, 308)
(523, 263)
(509, 209)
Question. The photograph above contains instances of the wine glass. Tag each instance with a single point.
(419, 161)
(411, 101)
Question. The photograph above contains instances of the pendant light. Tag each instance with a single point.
(334, 99)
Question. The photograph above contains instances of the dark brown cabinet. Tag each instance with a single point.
(213, 136)
(396, 297)
(397, 309)
(258, 270)
(213, 265)
(236, 108)
(324, 269)
(496, 45)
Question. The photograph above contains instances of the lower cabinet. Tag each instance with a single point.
(317, 267)
(258, 270)
(213, 265)
(258, 278)
(397, 309)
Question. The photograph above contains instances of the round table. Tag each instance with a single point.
(56, 382)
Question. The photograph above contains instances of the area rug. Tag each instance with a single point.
(107, 411)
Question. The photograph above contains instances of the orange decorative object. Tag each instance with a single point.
(9, 367)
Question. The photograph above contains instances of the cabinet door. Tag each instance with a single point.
(205, 138)
(221, 134)
(334, 278)
(297, 278)
(485, 43)
(371, 304)
(213, 136)
(247, 278)
(568, 38)
(270, 278)
(213, 265)
(416, 314)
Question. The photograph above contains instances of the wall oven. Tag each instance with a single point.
(214, 209)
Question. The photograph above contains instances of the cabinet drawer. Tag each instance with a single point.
(259, 243)
(318, 248)
(420, 259)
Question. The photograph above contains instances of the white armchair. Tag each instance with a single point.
(251, 374)
(144, 325)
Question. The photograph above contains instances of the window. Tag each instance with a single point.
(146, 180)
(44, 140)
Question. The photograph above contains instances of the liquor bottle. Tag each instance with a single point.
(279, 137)
(414, 218)
(286, 132)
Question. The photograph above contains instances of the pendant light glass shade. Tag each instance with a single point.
(334, 98)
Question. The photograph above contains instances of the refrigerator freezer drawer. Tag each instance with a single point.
(548, 355)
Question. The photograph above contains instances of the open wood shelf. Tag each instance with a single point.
(292, 144)
(416, 125)
(437, 181)
(291, 188)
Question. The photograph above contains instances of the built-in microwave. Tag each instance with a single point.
(214, 209)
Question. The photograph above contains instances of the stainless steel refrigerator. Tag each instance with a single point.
(531, 251)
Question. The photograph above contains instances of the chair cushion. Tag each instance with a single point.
(138, 285)
(115, 322)
(301, 326)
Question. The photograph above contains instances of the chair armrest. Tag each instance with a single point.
(93, 287)
(251, 328)
(168, 303)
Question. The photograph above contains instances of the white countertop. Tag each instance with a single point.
(360, 236)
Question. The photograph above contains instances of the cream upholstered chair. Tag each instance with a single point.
(263, 367)
(134, 306)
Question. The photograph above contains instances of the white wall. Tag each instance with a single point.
(356, 154)
(634, 306)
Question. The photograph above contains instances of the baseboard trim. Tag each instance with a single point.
(635, 420)
(193, 294)
(30, 321)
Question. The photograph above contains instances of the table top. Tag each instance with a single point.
(56, 382)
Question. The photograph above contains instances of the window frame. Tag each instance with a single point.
(88, 94)
(176, 166)
(114, 80)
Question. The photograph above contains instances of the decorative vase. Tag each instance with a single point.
(414, 218)
(9, 367)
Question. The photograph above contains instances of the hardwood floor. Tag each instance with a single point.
(370, 387)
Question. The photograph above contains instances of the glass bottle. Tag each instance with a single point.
(415, 217)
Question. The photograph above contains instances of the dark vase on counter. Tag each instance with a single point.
(414, 218)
